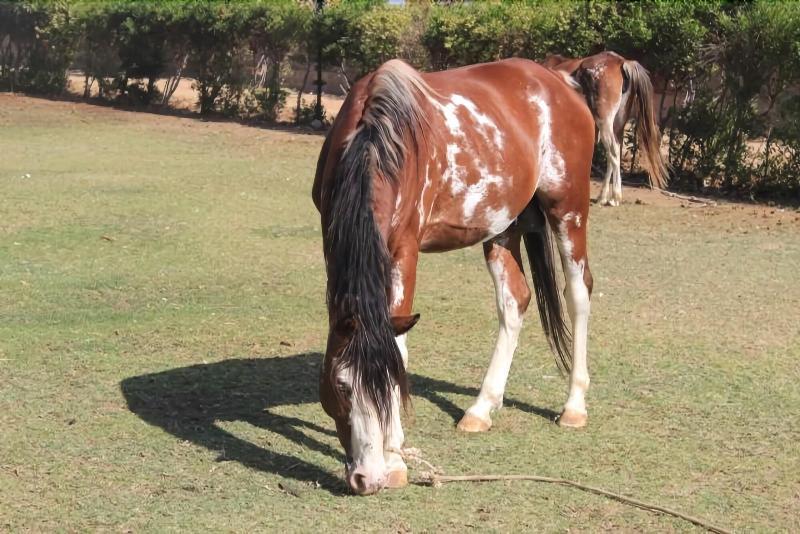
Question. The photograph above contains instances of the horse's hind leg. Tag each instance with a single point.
(612, 147)
(513, 295)
(569, 224)
(618, 126)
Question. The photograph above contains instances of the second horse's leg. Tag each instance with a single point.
(611, 194)
(513, 295)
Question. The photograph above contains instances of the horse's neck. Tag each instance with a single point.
(399, 208)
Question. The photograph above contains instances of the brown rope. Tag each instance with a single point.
(434, 477)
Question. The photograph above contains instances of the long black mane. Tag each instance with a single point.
(359, 265)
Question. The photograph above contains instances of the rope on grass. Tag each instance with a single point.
(434, 477)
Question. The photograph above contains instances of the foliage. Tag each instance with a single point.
(727, 73)
(36, 45)
(738, 134)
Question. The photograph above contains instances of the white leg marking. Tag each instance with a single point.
(617, 173)
(397, 287)
(510, 319)
(395, 436)
(608, 140)
(619, 117)
(578, 305)
(401, 344)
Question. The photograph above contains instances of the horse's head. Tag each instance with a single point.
(362, 385)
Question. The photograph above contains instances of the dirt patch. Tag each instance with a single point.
(724, 211)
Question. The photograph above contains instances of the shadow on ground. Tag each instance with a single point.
(188, 402)
(155, 109)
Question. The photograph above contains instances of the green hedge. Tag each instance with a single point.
(733, 68)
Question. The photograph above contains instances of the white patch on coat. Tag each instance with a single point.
(421, 202)
(551, 162)
(563, 235)
(474, 194)
(396, 214)
(485, 125)
(573, 216)
(450, 117)
(454, 174)
(478, 191)
(597, 70)
(498, 221)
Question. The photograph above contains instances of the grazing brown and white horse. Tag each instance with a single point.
(617, 89)
(492, 153)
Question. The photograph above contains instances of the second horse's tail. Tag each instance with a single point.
(641, 104)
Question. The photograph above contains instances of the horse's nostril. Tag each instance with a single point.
(358, 483)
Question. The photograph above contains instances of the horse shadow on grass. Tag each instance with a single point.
(189, 402)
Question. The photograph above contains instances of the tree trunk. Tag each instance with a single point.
(172, 83)
(299, 105)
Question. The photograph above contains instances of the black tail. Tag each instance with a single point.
(540, 254)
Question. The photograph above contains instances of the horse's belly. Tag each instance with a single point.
(442, 235)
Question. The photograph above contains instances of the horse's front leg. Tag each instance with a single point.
(404, 275)
(513, 295)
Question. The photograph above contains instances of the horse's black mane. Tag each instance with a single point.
(359, 265)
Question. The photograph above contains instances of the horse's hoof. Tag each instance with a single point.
(572, 419)
(613, 203)
(471, 423)
(397, 479)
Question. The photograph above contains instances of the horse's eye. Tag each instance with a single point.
(343, 386)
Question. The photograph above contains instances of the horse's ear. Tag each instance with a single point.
(404, 323)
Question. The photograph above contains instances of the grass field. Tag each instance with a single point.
(162, 317)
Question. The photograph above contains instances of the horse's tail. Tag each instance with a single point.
(641, 103)
(540, 254)
(359, 265)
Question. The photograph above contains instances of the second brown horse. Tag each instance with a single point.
(616, 90)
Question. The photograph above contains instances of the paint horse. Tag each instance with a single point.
(494, 153)
(617, 89)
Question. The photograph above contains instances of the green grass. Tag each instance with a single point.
(162, 317)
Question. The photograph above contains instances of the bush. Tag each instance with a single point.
(738, 134)
(36, 45)
(731, 69)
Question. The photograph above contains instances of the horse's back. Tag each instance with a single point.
(501, 130)
(506, 88)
